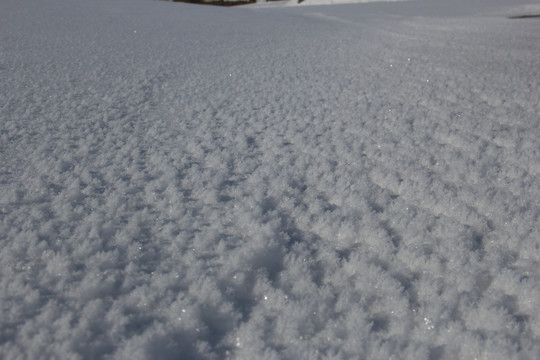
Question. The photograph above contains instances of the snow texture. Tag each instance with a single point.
(334, 182)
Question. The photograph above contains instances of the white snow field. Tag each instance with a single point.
(358, 181)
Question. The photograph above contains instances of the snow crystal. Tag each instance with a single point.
(269, 181)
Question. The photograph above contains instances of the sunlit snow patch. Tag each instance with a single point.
(332, 2)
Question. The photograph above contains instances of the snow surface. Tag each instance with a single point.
(326, 2)
(345, 182)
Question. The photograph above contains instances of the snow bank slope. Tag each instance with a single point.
(201, 183)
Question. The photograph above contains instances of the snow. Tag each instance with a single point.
(330, 182)
(330, 2)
